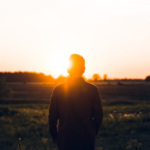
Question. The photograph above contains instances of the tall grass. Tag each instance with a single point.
(25, 127)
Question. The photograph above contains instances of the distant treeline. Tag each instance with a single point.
(41, 77)
(26, 77)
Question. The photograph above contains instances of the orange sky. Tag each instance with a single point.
(112, 36)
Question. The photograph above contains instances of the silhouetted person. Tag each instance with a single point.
(77, 106)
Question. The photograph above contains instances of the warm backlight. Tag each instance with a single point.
(59, 64)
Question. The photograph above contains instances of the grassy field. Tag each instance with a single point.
(110, 91)
(126, 123)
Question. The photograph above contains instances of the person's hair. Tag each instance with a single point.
(77, 64)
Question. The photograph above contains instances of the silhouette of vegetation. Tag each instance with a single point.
(96, 77)
(4, 90)
(105, 77)
(147, 79)
(26, 77)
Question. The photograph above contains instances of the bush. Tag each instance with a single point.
(147, 79)
(5, 111)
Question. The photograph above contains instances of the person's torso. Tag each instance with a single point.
(75, 109)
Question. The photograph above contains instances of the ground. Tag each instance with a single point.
(24, 118)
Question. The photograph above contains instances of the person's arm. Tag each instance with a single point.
(53, 115)
(97, 111)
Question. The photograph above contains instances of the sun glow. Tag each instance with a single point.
(59, 64)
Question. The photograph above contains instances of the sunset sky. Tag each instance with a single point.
(112, 35)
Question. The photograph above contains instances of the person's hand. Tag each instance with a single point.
(55, 141)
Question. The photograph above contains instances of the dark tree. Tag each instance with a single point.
(147, 79)
(96, 77)
(105, 76)
(25, 77)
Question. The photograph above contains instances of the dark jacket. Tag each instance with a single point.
(77, 105)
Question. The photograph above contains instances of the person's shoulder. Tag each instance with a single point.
(91, 86)
(59, 87)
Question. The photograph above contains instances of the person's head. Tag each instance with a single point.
(77, 65)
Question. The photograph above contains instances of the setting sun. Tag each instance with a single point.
(59, 64)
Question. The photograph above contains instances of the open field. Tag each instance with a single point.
(126, 124)
(110, 91)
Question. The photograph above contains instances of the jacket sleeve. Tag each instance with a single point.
(97, 111)
(53, 114)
